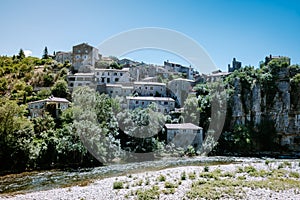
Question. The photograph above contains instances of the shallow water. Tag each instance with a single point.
(44, 180)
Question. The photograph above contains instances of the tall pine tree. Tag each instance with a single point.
(45, 55)
(21, 54)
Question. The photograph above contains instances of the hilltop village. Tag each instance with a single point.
(137, 84)
(139, 107)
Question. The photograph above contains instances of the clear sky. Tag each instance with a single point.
(247, 30)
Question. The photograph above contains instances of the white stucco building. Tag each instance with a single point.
(183, 135)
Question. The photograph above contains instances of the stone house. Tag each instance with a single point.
(51, 104)
(114, 90)
(180, 89)
(81, 79)
(62, 56)
(174, 67)
(84, 54)
(183, 135)
(164, 104)
(150, 89)
(112, 76)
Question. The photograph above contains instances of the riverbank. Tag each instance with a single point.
(261, 179)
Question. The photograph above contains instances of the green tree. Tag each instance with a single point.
(60, 89)
(45, 53)
(95, 124)
(21, 54)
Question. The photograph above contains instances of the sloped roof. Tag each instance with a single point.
(185, 126)
(51, 99)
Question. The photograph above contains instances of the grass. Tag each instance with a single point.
(192, 175)
(219, 184)
(118, 185)
(216, 189)
(161, 178)
(294, 175)
(152, 193)
(170, 185)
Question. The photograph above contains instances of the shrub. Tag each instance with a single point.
(118, 185)
(183, 176)
(161, 178)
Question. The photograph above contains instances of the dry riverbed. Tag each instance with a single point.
(269, 179)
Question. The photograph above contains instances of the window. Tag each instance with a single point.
(79, 84)
(151, 88)
(165, 103)
(78, 51)
(146, 87)
(116, 79)
(115, 74)
(84, 56)
(108, 80)
(143, 103)
(111, 92)
(121, 74)
(136, 102)
(107, 73)
(86, 51)
(77, 56)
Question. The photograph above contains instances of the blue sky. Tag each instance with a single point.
(247, 30)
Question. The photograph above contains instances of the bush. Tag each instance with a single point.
(118, 185)
(161, 178)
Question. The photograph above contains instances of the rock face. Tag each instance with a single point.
(281, 105)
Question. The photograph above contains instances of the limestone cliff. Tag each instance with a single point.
(277, 101)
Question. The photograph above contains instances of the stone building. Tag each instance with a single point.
(62, 56)
(179, 89)
(150, 89)
(183, 135)
(51, 104)
(84, 54)
(112, 76)
(235, 65)
(114, 90)
(164, 104)
(81, 79)
(174, 67)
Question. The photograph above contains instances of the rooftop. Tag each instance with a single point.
(113, 70)
(151, 98)
(185, 126)
(51, 99)
(149, 83)
(83, 74)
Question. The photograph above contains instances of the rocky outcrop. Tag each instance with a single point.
(281, 105)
